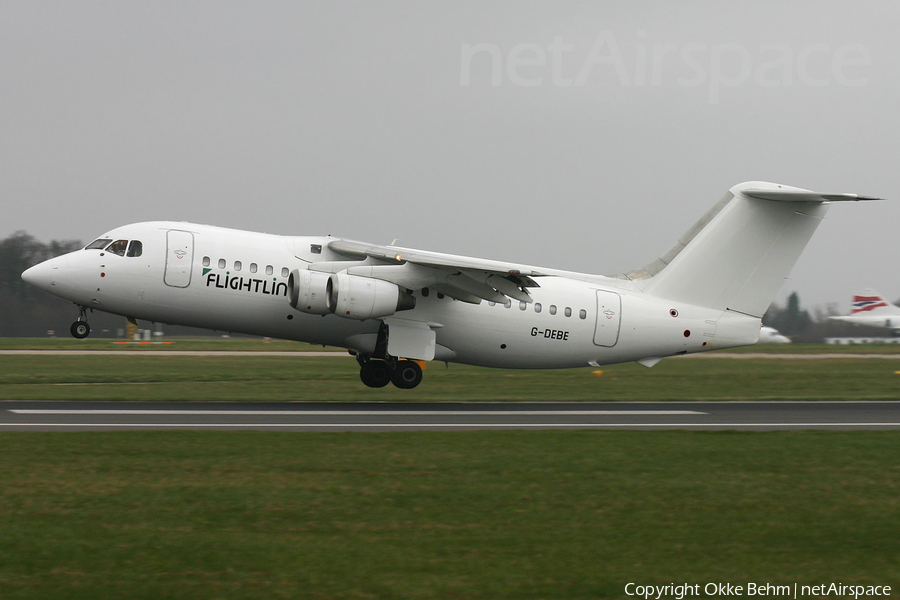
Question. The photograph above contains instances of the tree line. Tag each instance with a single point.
(30, 312)
(798, 324)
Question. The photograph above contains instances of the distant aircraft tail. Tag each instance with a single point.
(871, 302)
(737, 256)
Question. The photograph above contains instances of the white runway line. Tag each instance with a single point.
(161, 352)
(367, 413)
(343, 354)
(438, 425)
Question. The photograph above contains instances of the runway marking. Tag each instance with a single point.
(65, 411)
(439, 425)
(167, 352)
(344, 354)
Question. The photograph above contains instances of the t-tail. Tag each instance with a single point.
(736, 257)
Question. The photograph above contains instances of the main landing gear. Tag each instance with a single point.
(380, 368)
(80, 328)
(376, 373)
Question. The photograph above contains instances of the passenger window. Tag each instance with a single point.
(523, 305)
(508, 303)
(238, 265)
(205, 261)
(221, 263)
(269, 270)
(440, 296)
(568, 312)
(582, 314)
(118, 247)
(253, 267)
(97, 244)
(135, 249)
(285, 272)
(552, 309)
(537, 307)
(424, 292)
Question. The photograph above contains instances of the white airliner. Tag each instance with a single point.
(391, 306)
(770, 335)
(870, 308)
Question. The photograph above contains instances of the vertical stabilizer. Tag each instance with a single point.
(738, 255)
(870, 302)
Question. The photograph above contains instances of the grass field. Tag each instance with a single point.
(154, 375)
(516, 515)
(503, 514)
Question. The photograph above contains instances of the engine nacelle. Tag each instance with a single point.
(355, 297)
(308, 291)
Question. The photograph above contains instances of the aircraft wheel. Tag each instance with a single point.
(375, 374)
(407, 375)
(80, 330)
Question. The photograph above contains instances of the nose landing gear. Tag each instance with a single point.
(80, 328)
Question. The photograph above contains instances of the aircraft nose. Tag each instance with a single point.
(40, 275)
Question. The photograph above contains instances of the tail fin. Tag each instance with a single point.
(871, 302)
(737, 256)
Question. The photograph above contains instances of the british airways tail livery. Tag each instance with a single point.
(392, 306)
(870, 308)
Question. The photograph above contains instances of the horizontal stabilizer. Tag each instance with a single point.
(795, 195)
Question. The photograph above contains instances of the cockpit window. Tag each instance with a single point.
(98, 244)
(118, 247)
(135, 248)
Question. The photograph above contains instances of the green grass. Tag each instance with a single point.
(492, 514)
(509, 514)
(162, 345)
(300, 378)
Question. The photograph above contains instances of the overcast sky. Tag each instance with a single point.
(577, 135)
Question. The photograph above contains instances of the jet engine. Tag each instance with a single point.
(360, 298)
(307, 291)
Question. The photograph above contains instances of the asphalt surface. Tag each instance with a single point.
(145, 352)
(390, 416)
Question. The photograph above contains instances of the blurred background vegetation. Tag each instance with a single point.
(30, 312)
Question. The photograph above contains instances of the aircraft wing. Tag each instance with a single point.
(461, 277)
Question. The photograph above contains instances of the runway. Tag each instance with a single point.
(401, 416)
(145, 352)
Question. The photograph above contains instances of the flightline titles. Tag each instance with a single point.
(685, 590)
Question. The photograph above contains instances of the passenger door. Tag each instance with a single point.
(179, 257)
(609, 308)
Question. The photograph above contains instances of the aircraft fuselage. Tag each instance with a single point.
(238, 281)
